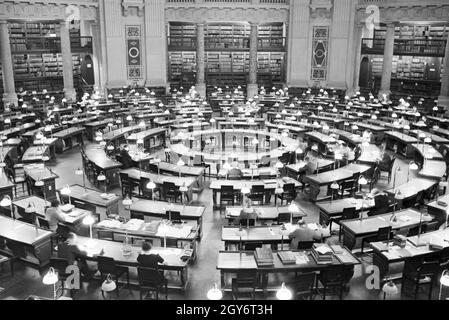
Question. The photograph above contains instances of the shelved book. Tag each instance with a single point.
(322, 253)
(264, 257)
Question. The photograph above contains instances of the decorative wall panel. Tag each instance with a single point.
(134, 52)
(320, 51)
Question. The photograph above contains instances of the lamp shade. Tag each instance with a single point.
(66, 190)
(363, 181)
(293, 208)
(127, 202)
(240, 233)
(245, 190)
(50, 278)
(279, 165)
(390, 288)
(39, 183)
(180, 163)
(79, 172)
(283, 293)
(101, 177)
(444, 280)
(151, 185)
(214, 294)
(30, 208)
(88, 220)
(335, 186)
(108, 285)
(6, 201)
(413, 166)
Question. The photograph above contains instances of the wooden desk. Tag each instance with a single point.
(69, 138)
(6, 185)
(322, 165)
(433, 169)
(402, 141)
(354, 230)
(270, 185)
(28, 242)
(438, 211)
(96, 155)
(412, 187)
(425, 152)
(236, 262)
(382, 257)
(334, 209)
(35, 154)
(114, 250)
(36, 172)
(159, 179)
(153, 139)
(263, 213)
(105, 207)
(74, 219)
(321, 139)
(93, 127)
(327, 178)
(158, 209)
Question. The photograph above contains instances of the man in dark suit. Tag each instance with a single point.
(125, 157)
(382, 203)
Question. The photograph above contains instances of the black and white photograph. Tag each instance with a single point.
(234, 152)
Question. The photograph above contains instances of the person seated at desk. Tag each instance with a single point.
(147, 259)
(125, 157)
(303, 234)
(382, 203)
(71, 251)
(235, 174)
(54, 215)
(248, 213)
(384, 165)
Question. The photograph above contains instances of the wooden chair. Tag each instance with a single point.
(383, 234)
(60, 266)
(332, 280)
(107, 265)
(424, 275)
(257, 194)
(227, 196)
(305, 245)
(289, 193)
(347, 214)
(305, 285)
(245, 285)
(171, 192)
(151, 280)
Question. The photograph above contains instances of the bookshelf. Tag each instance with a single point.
(37, 61)
(182, 67)
(411, 31)
(419, 75)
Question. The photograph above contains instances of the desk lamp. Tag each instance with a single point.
(80, 172)
(283, 293)
(334, 186)
(102, 178)
(7, 202)
(151, 185)
(279, 165)
(180, 164)
(240, 233)
(444, 282)
(215, 294)
(127, 202)
(362, 182)
(51, 278)
(293, 208)
(284, 233)
(411, 167)
(389, 288)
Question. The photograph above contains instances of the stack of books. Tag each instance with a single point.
(287, 257)
(264, 257)
(322, 253)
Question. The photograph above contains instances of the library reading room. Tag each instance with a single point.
(224, 150)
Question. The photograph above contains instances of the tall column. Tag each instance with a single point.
(99, 76)
(200, 60)
(358, 56)
(388, 61)
(298, 63)
(253, 44)
(155, 43)
(67, 62)
(443, 99)
(9, 95)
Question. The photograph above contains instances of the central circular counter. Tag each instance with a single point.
(234, 145)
